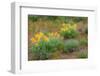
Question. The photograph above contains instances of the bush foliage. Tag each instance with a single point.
(71, 45)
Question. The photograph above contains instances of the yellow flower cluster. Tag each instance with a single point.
(54, 34)
(67, 27)
(39, 36)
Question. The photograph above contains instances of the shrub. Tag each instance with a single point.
(71, 45)
(69, 31)
(83, 54)
(44, 49)
(41, 51)
(69, 34)
(55, 44)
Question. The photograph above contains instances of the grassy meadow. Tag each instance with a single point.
(57, 37)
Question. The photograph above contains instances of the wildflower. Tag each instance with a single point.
(33, 40)
(67, 27)
(41, 34)
(54, 34)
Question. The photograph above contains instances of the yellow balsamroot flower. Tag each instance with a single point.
(66, 25)
(38, 36)
(74, 26)
(33, 40)
(54, 34)
(65, 28)
(41, 34)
